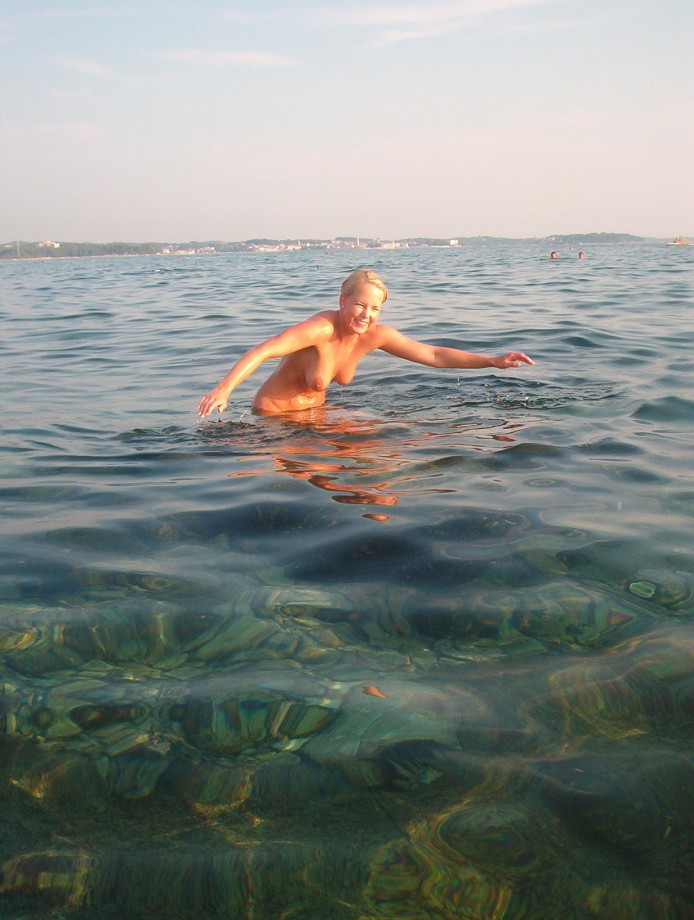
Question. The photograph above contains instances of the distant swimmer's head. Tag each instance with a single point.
(363, 276)
(553, 254)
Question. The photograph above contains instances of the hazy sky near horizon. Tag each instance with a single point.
(174, 121)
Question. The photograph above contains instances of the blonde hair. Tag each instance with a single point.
(363, 276)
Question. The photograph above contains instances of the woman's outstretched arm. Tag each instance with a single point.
(312, 331)
(401, 346)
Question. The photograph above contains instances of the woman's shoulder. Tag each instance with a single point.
(329, 315)
(321, 326)
(383, 333)
(324, 321)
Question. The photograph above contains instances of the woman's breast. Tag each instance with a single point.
(344, 375)
(319, 370)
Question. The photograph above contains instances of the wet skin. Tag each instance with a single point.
(328, 347)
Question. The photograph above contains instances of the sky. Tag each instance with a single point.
(211, 120)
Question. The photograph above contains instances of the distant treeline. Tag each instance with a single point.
(592, 238)
(49, 249)
(55, 250)
(24, 250)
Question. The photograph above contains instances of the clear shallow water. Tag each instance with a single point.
(428, 653)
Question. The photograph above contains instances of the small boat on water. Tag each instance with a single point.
(681, 241)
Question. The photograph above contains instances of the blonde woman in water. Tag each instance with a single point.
(329, 345)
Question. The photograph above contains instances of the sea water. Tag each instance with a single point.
(427, 653)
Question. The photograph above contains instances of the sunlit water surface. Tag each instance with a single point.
(425, 654)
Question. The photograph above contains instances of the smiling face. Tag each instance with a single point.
(360, 309)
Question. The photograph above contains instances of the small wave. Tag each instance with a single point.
(512, 394)
(582, 341)
(610, 447)
(666, 409)
(149, 436)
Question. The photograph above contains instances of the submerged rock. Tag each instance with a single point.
(672, 590)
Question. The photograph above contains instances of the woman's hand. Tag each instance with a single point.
(215, 399)
(512, 359)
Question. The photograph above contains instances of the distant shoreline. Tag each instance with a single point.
(22, 251)
(105, 255)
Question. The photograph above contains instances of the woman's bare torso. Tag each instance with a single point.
(301, 379)
(328, 346)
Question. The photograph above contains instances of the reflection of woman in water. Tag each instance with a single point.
(328, 347)
(354, 459)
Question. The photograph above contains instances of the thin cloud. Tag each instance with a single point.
(242, 18)
(202, 58)
(427, 13)
(416, 21)
(82, 66)
(592, 19)
(86, 12)
(29, 135)
(393, 36)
